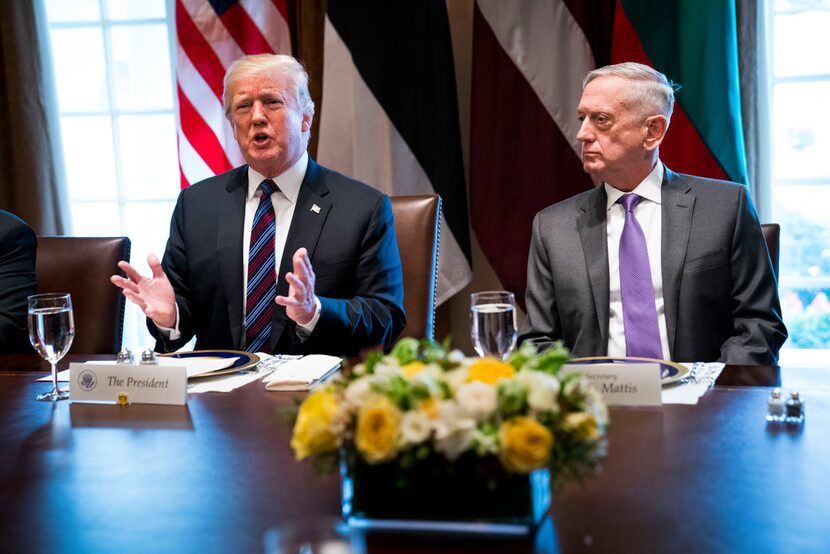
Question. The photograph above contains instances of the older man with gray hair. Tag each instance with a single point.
(233, 235)
(651, 263)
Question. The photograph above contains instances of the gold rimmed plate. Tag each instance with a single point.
(670, 372)
(244, 360)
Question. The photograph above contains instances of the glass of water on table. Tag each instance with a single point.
(493, 323)
(51, 332)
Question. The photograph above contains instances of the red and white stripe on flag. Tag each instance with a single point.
(212, 34)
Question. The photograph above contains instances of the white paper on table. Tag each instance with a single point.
(224, 383)
(227, 383)
(302, 374)
(194, 366)
(689, 393)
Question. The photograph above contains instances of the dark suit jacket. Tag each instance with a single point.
(18, 250)
(353, 249)
(720, 293)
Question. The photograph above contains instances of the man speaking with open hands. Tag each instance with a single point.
(233, 235)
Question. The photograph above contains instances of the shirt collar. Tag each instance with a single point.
(649, 188)
(288, 182)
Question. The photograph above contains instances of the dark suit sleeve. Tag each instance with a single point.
(176, 267)
(540, 296)
(18, 247)
(758, 330)
(374, 315)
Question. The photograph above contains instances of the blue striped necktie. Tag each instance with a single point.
(262, 274)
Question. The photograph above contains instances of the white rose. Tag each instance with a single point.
(429, 371)
(340, 423)
(359, 392)
(542, 390)
(574, 386)
(457, 441)
(450, 418)
(456, 356)
(453, 431)
(388, 367)
(457, 377)
(595, 406)
(477, 399)
(415, 427)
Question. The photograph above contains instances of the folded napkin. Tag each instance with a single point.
(302, 374)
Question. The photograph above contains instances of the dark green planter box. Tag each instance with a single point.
(470, 494)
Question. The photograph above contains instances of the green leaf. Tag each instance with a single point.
(372, 359)
(406, 350)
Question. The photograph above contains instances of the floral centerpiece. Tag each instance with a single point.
(487, 437)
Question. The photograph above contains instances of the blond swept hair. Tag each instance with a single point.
(263, 63)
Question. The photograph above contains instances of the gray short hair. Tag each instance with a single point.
(260, 63)
(651, 89)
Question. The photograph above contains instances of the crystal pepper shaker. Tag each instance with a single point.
(125, 357)
(148, 357)
(794, 409)
(775, 407)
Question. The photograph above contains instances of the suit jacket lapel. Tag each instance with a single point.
(678, 206)
(229, 249)
(310, 213)
(591, 225)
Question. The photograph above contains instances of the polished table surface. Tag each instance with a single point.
(212, 476)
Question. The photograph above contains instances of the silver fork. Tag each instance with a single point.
(269, 365)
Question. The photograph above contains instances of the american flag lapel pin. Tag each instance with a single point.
(315, 208)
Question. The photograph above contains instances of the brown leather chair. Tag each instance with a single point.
(772, 231)
(82, 266)
(416, 226)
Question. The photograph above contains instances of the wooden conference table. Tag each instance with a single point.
(214, 475)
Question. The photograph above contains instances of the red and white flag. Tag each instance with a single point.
(212, 34)
(529, 58)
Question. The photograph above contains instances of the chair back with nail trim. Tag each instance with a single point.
(82, 266)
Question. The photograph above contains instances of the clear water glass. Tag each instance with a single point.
(51, 332)
(493, 323)
(320, 535)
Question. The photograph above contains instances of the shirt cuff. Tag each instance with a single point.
(304, 331)
(174, 333)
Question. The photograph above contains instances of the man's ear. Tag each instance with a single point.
(233, 128)
(308, 117)
(656, 127)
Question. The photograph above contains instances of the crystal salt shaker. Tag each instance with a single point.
(794, 409)
(775, 407)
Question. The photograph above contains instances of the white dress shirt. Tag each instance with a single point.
(649, 215)
(284, 199)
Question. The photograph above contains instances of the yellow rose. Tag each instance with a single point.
(490, 370)
(430, 407)
(525, 444)
(412, 369)
(583, 425)
(313, 429)
(378, 428)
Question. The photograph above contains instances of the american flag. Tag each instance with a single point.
(212, 34)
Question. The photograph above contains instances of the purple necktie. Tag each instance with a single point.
(642, 335)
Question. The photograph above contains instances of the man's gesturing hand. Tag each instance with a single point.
(154, 295)
(300, 304)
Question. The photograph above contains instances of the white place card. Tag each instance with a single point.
(143, 384)
(623, 384)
